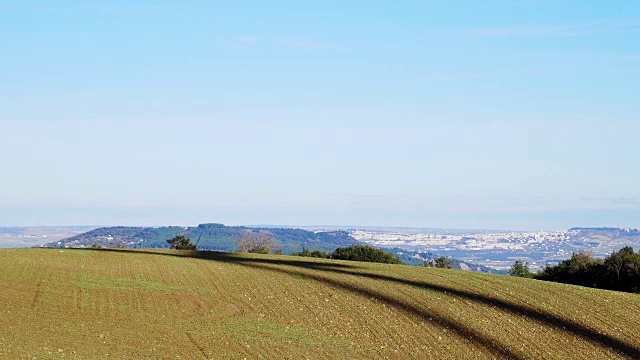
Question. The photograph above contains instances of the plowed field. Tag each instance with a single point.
(154, 304)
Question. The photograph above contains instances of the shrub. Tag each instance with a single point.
(256, 243)
(308, 253)
(365, 253)
(181, 243)
(442, 262)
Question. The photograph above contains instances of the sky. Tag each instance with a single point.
(518, 115)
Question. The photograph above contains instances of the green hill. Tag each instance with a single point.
(217, 237)
(88, 304)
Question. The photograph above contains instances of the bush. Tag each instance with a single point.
(364, 253)
(442, 262)
(308, 253)
(181, 243)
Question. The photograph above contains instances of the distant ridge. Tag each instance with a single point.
(613, 232)
(219, 237)
(595, 228)
(207, 236)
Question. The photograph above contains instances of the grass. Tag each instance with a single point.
(170, 304)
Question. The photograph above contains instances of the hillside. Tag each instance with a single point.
(207, 236)
(601, 241)
(83, 303)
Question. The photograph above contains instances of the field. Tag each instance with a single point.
(134, 304)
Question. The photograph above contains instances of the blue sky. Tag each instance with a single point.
(467, 114)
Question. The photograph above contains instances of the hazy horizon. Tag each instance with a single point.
(304, 226)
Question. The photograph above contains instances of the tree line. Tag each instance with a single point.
(264, 243)
(619, 271)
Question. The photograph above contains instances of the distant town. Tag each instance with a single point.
(499, 250)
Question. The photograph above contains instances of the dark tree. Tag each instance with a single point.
(623, 268)
(181, 243)
(619, 271)
(520, 269)
(580, 269)
(444, 263)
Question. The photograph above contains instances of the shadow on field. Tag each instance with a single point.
(542, 317)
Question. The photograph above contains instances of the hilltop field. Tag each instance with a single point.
(139, 304)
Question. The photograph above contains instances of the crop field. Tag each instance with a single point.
(150, 304)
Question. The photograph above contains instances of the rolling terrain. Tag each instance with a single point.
(86, 304)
